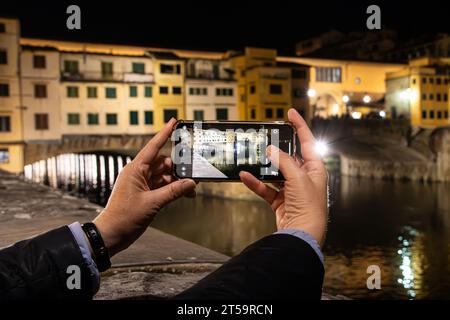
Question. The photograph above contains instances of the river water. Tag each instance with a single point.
(403, 228)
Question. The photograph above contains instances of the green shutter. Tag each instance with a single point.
(111, 93)
(133, 91)
(198, 115)
(222, 114)
(148, 92)
(92, 118)
(111, 118)
(73, 118)
(92, 92)
(138, 67)
(134, 120)
(72, 92)
(107, 70)
(148, 117)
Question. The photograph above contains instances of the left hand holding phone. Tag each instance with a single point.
(143, 187)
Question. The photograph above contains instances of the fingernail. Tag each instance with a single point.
(188, 185)
(269, 150)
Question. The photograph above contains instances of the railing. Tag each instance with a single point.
(107, 77)
(207, 76)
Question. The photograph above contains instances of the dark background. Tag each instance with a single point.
(220, 25)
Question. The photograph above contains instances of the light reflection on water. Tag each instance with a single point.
(402, 227)
(79, 174)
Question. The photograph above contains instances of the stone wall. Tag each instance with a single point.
(427, 160)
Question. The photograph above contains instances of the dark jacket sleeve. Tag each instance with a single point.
(279, 266)
(37, 268)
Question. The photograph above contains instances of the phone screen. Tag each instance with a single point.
(218, 151)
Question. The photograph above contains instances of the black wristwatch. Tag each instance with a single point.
(101, 254)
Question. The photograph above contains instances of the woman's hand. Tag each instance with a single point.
(302, 202)
(144, 186)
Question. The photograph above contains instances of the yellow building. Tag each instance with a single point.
(337, 87)
(420, 92)
(266, 87)
(169, 89)
(210, 90)
(11, 125)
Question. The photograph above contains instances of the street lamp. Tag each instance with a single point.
(345, 99)
(382, 113)
(367, 99)
(335, 109)
(321, 148)
(312, 93)
(356, 115)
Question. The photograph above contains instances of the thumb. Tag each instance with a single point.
(286, 164)
(172, 191)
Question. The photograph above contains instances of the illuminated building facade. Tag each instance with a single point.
(11, 123)
(338, 87)
(420, 92)
(210, 90)
(266, 87)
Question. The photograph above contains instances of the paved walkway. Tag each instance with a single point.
(27, 209)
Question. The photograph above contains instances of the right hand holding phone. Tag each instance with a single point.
(302, 203)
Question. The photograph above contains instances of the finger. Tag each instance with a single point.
(258, 187)
(161, 180)
(171, 192)
(307, 140)
(162, 164)
(277, 185)
(149, 152)
(284, 162)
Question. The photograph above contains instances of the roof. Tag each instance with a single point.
(164, 55)
(38, 48)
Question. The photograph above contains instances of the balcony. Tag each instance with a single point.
(98, 76)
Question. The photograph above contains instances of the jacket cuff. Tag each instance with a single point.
(78, 234)
(309, 239)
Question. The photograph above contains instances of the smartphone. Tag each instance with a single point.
(219, 150)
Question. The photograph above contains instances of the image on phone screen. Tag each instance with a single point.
(219, 151)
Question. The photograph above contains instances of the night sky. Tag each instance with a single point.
(220, 25)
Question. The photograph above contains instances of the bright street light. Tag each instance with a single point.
(356, 115)
(345, 98)
(408, 94)
(321, 148)
(382, 113)
(335, 109)
(366, 99)
(311, 93)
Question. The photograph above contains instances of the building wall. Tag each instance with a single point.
(210, 102)
(263, 100)
(357, 80)
(397, 96)
(256, 70)
(11, 141)
(48, 105)
(121, 80)
(424, 86)
(300, 99)
(168, 101)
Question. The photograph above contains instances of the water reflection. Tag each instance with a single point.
(402, 227)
